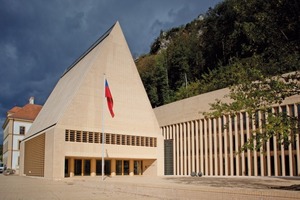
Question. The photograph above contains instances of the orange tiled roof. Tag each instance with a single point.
(28, 112)
(14, 110)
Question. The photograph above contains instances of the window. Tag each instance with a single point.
(84, 136)
(91, 137)
(133, 140)
(123, 140)
(107, 138)
(113, 139)
(110, 138)
(78, 136)
(118, 139)
(72, 136)
(128, 139)
(142, 141)
(97, 138)
(22, 130)
(67, 136)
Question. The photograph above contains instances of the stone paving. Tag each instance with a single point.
(142, 187)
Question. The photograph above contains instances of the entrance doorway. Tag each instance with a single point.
(107, 167)
(66, 167)
(138, 167)
(87, 167)
(77, 167)
(122, 167)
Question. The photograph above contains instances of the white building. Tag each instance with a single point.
(15, 127)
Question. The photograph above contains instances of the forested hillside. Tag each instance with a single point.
(216, 49)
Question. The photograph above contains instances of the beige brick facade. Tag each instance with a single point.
(203, 145)
(75, 115)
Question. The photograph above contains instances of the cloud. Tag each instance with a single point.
(39, 39)
(10, 51)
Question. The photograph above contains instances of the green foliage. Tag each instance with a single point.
(258, 96)
(210, 53)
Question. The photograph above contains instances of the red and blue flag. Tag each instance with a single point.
(110, 102)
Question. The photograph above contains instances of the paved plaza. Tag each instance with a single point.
(142, 187)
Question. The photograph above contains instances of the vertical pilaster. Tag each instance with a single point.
(268, 152)
(93, 167)
(275, 154)
(290, 146)
(177, 150)
(226, 146)
(131, 167)
(210, 147)
(193, 145)
(216, 167)
(262, 156)
(201, 146)
(231, 146)
(242, 142)
(282, 154)
(188, 148)
(174, 137)
(184, 149)
(181, 148)
(254, 152)
(113, 167)
(206, 148)
(197, 145)
(220, 146)
(71, 164)
(82, 167)
(249, 156)
(276, 163)
(237, 156)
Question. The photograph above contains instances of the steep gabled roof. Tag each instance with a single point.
(77, 100)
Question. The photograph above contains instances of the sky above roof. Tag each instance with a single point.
(40, 39)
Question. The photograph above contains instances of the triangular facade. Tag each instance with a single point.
(76, 105)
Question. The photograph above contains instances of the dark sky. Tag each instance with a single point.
(39, 39)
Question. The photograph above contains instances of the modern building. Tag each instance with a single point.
(15, 127)
(66, 137)
(194, 143)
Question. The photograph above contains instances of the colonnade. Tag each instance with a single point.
(212, 146)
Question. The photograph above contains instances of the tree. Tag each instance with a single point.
(146, 66)
(256, 98)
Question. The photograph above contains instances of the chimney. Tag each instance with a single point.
(31, 100)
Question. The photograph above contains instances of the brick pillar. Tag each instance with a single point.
(113, 167)
(71, 164)
(131, 172)
(93, 167)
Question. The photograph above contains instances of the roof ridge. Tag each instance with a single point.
(102, 37)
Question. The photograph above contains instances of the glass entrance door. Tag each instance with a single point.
(138, 167)
(122, 167)
(107, 169)
(87, 167)
(66, 167)
(77, 167)
(126, 167)
(119, 167)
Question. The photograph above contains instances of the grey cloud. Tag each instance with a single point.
(39, 39)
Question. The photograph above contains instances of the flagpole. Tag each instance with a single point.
(103, 135)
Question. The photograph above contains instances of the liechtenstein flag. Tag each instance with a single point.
(110, 102)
